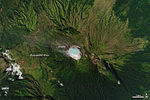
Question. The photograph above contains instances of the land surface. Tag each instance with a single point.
(113, 36)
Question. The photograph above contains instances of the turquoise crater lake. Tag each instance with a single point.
(74, 52)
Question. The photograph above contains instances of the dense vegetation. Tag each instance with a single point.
(114, 43)
(18, 14)
(67, 15)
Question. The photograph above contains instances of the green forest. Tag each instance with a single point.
(113, 36)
